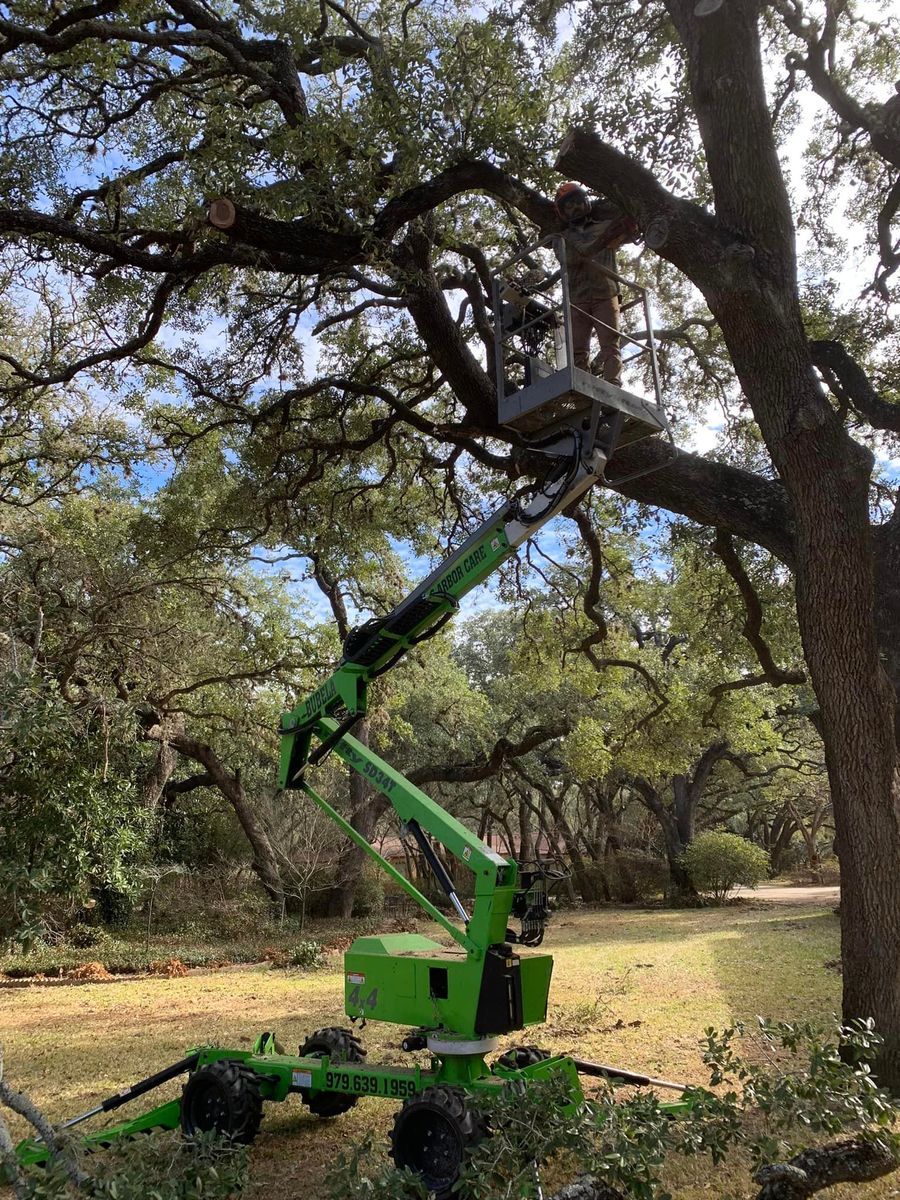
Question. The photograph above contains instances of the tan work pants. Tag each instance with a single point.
(602, 315)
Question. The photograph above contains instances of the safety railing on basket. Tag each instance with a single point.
(533, 322)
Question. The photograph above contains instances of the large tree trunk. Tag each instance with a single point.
(366, 808)
(677, 821)
(681, 886)
(828, 477)
(778, 839)
(743, 260)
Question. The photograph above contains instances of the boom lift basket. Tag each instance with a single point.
(539, 388)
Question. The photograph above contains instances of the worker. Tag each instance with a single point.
(592, 231)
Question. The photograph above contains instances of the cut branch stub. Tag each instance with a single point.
(222, 213)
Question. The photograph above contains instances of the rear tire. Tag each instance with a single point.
(522, 1056)
(223, 1096)
(433, 1132)
(340, 1045)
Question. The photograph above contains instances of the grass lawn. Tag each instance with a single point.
(633, 988)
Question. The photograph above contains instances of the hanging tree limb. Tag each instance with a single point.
(772, 674)
(833, 359)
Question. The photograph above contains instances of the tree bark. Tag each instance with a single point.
(264, 862)
(750, 285)
(154, 782)
(813, 1170)
(366, 809)
(653, 801)
(677, 822)
(778, 839)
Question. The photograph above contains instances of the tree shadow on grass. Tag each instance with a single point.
(776, 967)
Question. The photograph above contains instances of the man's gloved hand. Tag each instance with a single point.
(623, 229)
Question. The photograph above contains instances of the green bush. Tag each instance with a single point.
(369, 900)
(308, 955)
(75, 819)
(207, 903)
(84, 937)
(628, 877)
(115, 905)
(718, 862)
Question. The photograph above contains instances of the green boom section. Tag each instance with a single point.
(375, 648)
(495, 876)
(282, 1075)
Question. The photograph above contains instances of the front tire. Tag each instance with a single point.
(340, 1045)
(433, 1132)
(223, 1096)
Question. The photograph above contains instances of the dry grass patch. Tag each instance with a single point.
(633, 988)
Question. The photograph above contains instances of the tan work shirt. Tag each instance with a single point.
(588, 263)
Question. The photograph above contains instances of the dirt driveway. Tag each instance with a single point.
(791, 895)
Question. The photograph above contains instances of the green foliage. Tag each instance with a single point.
(162, 1166)
(358, 1174)
(115, 905)
(64, 810)
(308, 955)
(833, 1090)
(369, 898)
(812, 1081)
(82, 936)
(717, 862)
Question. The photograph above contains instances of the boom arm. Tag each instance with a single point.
(578, 421)
(327, 716)
(378, 645)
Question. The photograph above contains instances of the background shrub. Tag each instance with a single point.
(83, 936)
(115, 905)
(307, 955)
(718, 862)
(369, 900)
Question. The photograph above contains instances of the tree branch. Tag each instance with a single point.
(503, 751)
(811, 1171)
(752, 630)
(832, 357)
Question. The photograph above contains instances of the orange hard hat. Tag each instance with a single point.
(567, 189)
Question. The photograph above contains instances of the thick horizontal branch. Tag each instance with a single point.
(503, 752)
(678, 230)
(711, 493)
(176, 787)
(299, 240)
(465, 177)
(822, 1167)
(30, 223)
(305, 240)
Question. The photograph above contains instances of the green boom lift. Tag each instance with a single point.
(490, 982)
